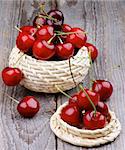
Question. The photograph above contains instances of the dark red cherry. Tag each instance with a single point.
(84, 102)
(28, 29)
(74, 100)
(43, 50)
(45, 33)
(78, 39)
(93, 121)
(71, 115)
(59, 19)
(65, 50)
(103, 88)
(102, 108)
(28, 107)
(24, 41)
(39, 21)
(93, 51)
(12, 76)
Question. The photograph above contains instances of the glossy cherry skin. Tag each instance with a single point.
(28, 107)
(12, 76)
(66, 28)
(83, 101)
(28, 29)
(93, 51)
(74, 100)
(42, 50)
(39, 21)
(103, 88)
(94, 121)
(77, 39)
(45, 33)
(65, 50)
(24, 41)
(102, 108)
(58, 15)
(71, 115)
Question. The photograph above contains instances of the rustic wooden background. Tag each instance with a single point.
(105, 23)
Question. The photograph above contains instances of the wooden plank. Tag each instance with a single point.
(17, 133)
(104, 21)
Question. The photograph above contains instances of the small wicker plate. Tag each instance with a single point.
(42, 76)
(83, 137)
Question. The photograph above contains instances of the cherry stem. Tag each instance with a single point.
(48, 17)
(68, 96)
(18, 60)
(66, 33)
(49, 41)
(10, 97)
(60, 40)
(81, 87)
(18, 29)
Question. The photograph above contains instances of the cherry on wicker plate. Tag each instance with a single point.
(29, 29)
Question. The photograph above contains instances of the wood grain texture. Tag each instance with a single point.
(105, 23)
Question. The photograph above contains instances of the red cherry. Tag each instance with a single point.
(66, 28)
(93, 51)
(28, 107)
(83, 101)
(74, 100)
(65, 50)
(45, 33)
(77, 39)
(28, 29)
(24, 41)
(12, 76)
(71, 115)
(94, 121)
(102, 108)
(39, 21)
(104, 88)
(43, 50)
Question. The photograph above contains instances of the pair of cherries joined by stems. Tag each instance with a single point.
(86, 109)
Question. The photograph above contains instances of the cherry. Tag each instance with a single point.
(66, 28)
(77, 39)
(93, 51)
(28, 107)
(29, 29)
(74, 100)
(45, 33)
(71, 115)
(24, 41)
(12, 76)
(102, 108)
(84, 102)
(39, 21)
(43, 50)
(93, 121)
(64, 50)
(104, 88)
(57, 20)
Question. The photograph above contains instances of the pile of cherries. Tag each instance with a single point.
(87, 109)
(50, 39)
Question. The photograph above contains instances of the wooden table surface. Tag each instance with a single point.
(105, 23)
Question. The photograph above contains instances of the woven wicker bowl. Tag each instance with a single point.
(83, 137)
(42, 76)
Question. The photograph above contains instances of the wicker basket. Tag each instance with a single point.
(42, 76)
(82, 137)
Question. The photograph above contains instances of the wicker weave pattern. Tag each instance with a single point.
(86, 138)
(42, 76)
